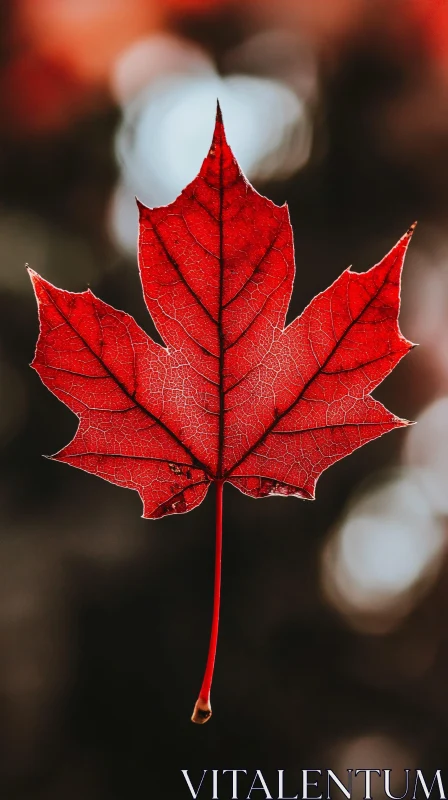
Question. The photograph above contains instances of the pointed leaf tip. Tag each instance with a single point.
(143, 211)
(34, 277)
(219, 133)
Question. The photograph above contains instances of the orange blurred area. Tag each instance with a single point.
(85, 36)
(431, 16)
(324, 23)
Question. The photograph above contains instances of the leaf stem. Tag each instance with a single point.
(203, 710)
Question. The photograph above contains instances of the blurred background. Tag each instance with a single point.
(333, 645)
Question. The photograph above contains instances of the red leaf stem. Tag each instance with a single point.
(203, 710)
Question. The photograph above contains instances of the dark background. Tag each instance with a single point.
(104, 617)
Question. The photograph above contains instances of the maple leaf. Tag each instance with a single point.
(234, 395)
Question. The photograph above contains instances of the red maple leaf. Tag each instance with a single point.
(234, 395)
